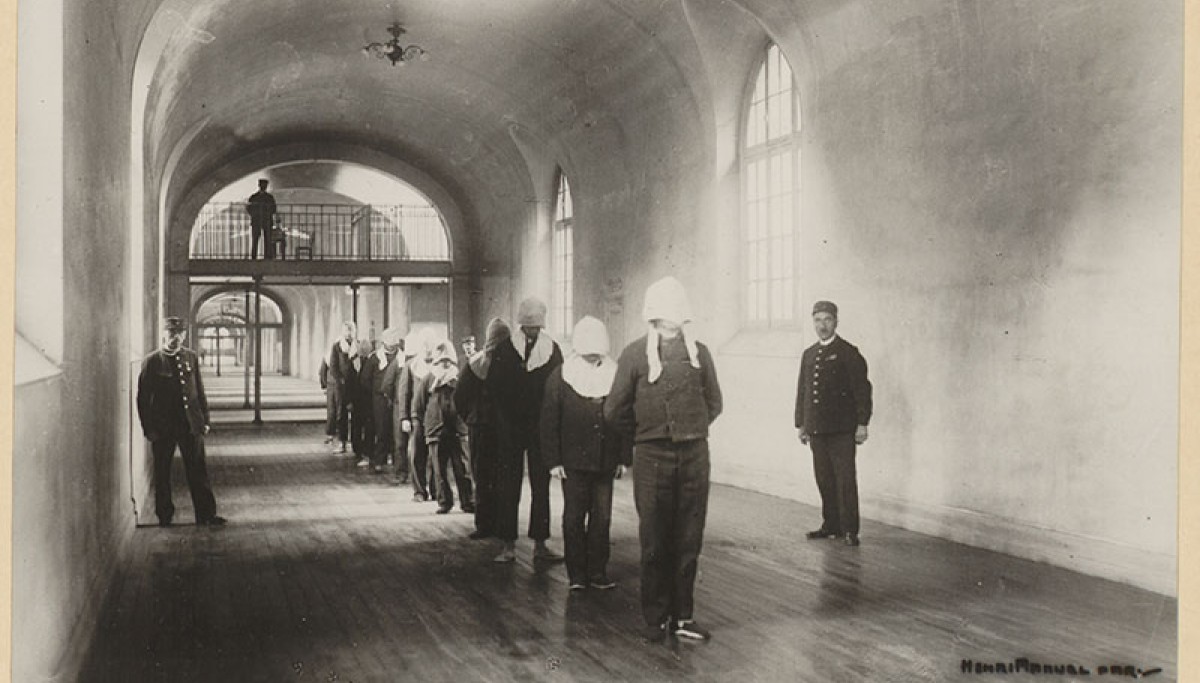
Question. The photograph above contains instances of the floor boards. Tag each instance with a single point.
(327, 573)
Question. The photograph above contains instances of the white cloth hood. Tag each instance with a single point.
(590, 336)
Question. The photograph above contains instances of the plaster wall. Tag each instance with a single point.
(72, 483)
(990, 192)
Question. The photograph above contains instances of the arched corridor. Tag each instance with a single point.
(988, 191)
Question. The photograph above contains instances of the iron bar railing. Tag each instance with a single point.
(325, 232)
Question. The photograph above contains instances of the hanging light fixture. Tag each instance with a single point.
(393, 51)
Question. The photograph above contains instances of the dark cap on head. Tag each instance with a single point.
(174, 324)
(825, 307)
(263, 181)
(468, 338)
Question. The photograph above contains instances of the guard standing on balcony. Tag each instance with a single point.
(261, 207)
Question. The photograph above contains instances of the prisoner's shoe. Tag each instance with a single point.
(690, 630)
(479, 534)
(577, 586)
(655, 633)
(603, 583)
(443, 509)
(543, 552)
(363, 462)
(420, 497)
(164, 521)
(469, 509)
(214, 521)
(851, 539)
(506, 556)
(821, 533)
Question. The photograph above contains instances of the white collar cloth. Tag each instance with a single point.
(383, 358)
(539, 355)
(590, 381)
(655, 361)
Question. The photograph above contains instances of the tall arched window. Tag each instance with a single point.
(771, 194)
(563, 247)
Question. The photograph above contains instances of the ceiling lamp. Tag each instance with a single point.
(393, 51)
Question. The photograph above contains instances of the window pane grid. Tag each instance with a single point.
(771, 193)
(563, 251)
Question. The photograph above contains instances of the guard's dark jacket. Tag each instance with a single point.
(170, 398)
(833, 394)
(574, 433)
(678, 407)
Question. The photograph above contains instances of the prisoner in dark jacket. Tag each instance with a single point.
(517, 380)
(474, 402)
(444, 430)
(584, 451)
(664, 397)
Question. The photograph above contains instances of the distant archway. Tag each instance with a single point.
(224, 307)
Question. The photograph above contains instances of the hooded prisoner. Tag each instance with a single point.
(444, 430)
(418, 345)
(340, 377)
(377, 379)
(517, 379)
(584, 451)
(474, 402)
(665, 396)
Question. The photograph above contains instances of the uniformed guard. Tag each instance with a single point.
(833, 407)
(174, 412)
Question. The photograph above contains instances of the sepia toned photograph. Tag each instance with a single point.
(597, 340)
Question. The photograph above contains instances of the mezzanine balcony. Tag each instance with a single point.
(322, 240)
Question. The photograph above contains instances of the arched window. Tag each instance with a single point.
(771, 195)
(563, 247)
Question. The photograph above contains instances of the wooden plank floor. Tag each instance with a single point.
(326, 573)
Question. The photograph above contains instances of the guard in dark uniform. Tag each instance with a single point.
(833, 407)
(174, 412)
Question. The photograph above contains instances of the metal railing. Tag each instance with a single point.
(325, 232)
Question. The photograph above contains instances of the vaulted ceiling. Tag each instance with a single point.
(236, 78)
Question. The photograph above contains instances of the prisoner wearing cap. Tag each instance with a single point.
(825, 307)
(173, 324)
